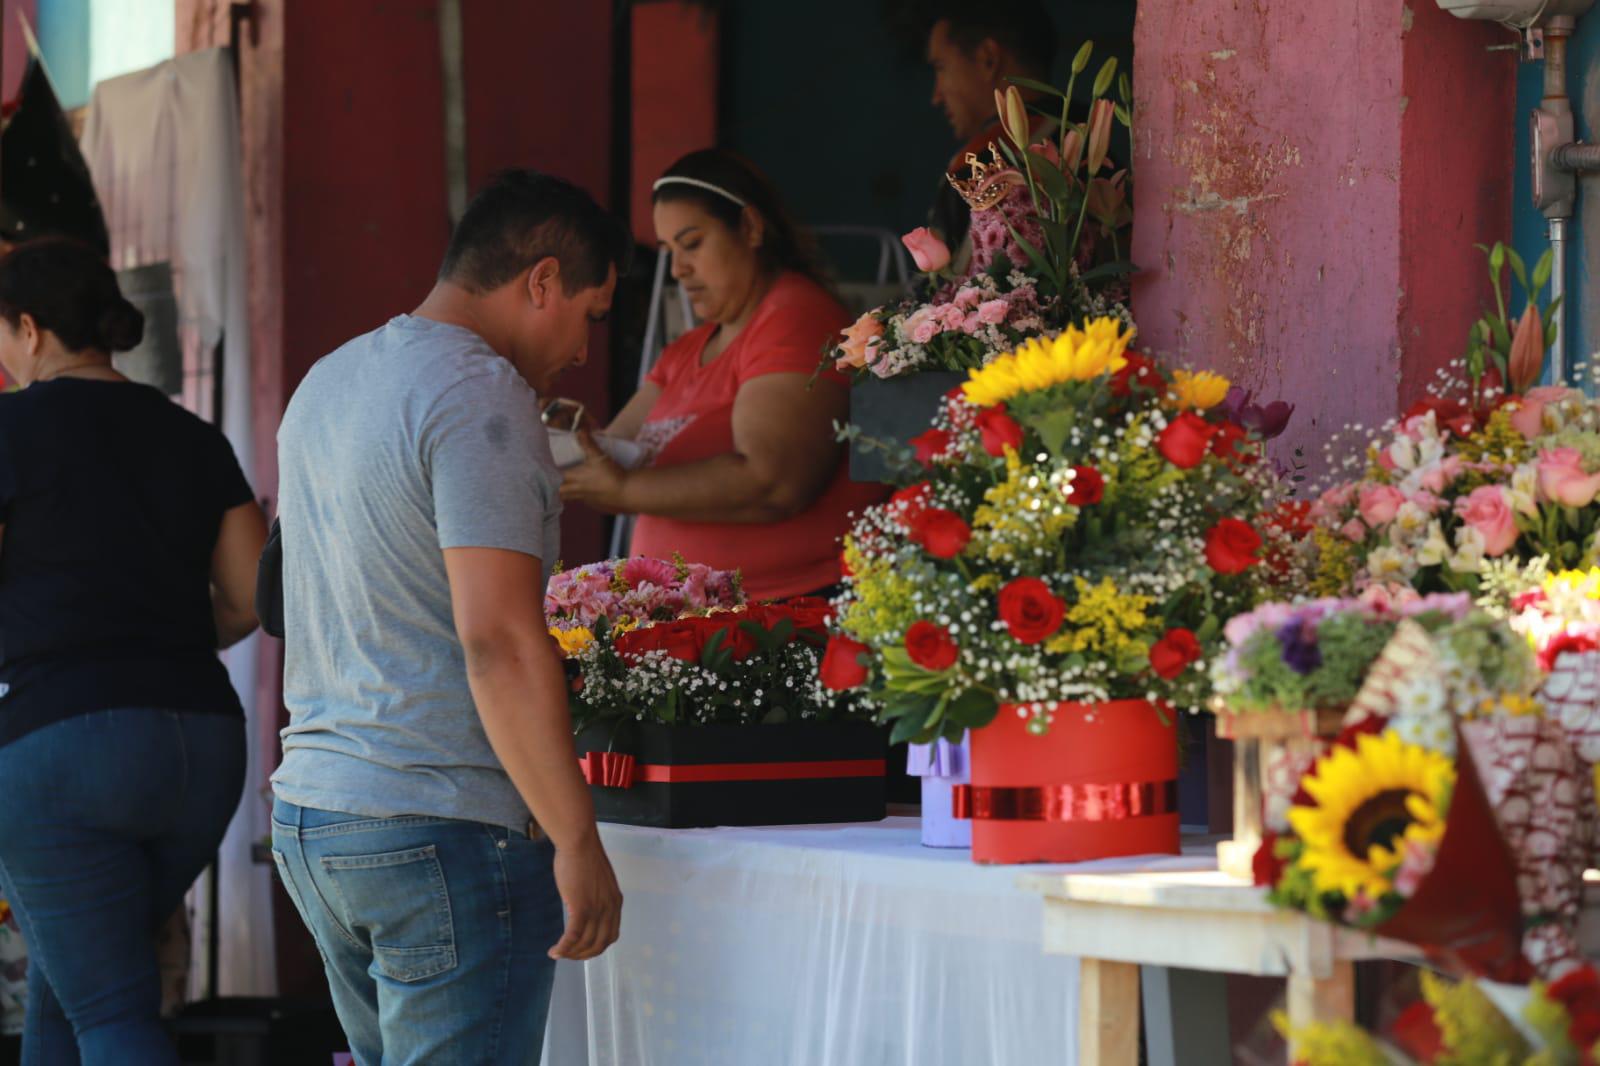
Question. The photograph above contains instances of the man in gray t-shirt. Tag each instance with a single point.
(430, 820)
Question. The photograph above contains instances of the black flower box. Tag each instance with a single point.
(896, 409)
(688, 776)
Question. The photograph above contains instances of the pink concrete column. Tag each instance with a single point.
(1309, 182)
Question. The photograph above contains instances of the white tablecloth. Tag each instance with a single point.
(846, 945)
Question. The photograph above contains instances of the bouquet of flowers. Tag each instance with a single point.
(1317, 654)
(1445, 816)
(1077, 526)
(757, 665)
(623, 593)
(1555, 1024)
(1045, 245)
(1487, 468)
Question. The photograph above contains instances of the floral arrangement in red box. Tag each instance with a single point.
(1078, 525)
(756, 665)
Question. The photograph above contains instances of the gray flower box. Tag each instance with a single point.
(896, 409)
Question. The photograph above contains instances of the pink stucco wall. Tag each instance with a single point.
(1276, 179)
(15, 57)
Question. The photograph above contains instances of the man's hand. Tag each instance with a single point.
(597, 481)
(594, 902)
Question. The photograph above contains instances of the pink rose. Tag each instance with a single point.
(972, 324)
(1353, 531)
(1439, 477)
(993, 312)
(923, 325)
(928, 251)
(968, 298)
(859, 339)
(1488, 510)
(1528, 418)
(1562, 478)
(952, 317)
(1378, 505)
(1426, 500)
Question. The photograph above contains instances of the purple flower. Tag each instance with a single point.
(1267, 420)
(1298, 639)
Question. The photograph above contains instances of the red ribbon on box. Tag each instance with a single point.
(1066, 803)
(616, 770)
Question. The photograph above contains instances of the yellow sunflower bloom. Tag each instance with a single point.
(1202, 390)
(1370, 801)
(1038, 363)
(572, 641)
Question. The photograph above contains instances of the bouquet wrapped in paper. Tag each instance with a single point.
(1455, 822)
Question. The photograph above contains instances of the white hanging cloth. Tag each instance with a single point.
(163, 148)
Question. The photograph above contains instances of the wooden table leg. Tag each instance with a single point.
(1328, 999)
(1108, 1013)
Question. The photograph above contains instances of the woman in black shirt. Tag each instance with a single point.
(128, 543)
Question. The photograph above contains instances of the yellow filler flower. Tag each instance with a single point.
(1038, 363)
(1369, 802)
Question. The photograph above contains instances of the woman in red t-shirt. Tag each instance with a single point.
(745, 472)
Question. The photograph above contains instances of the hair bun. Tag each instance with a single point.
(121, 327)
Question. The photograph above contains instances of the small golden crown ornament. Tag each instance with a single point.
(990, 182)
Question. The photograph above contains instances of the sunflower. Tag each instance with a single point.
(1076, 355)
(1370, 801)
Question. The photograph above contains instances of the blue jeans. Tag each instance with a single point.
(106, 819)
(434, 933)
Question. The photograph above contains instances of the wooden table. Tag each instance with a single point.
(1196, 920)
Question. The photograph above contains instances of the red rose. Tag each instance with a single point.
(841, 663)
(1225, 443)
(1173, 653)
(1030, 610)
(930, 445)
(911, 502)
(1185, 440)
(681, 640)
(1000, 431)
(1231, 546)
(943, 533)
(931, 647)
(806, 612)
(1265, 866)
(735, 638)
(1138, 371)
(1088, 486)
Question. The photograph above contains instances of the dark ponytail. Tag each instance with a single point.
(786, 245)
(69, 290)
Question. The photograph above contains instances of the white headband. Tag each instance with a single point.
(697, 183)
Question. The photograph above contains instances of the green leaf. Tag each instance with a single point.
(1036, 86)
(1054, 182)
(1497, 259)
(973, 709)
(1103, 80)
(1080, 62)
(1123, 116)
(907, 728)
(1108, 270)
(1518, 269)
(1208, 629)
(1541, 271)
(1053, 427)
(708, 654)
(1125, 90)
(1039, 262)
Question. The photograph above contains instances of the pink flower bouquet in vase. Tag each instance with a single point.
(1047, 226)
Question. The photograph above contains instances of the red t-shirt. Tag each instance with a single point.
(693, 421)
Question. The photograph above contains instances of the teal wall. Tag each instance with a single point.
(1528, 225)
(828, 101)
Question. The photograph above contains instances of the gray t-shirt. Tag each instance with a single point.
(411, 439)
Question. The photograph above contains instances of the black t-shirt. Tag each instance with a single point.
(111, 497)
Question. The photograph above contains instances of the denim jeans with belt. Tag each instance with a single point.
(106, 819)
(434, 932)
